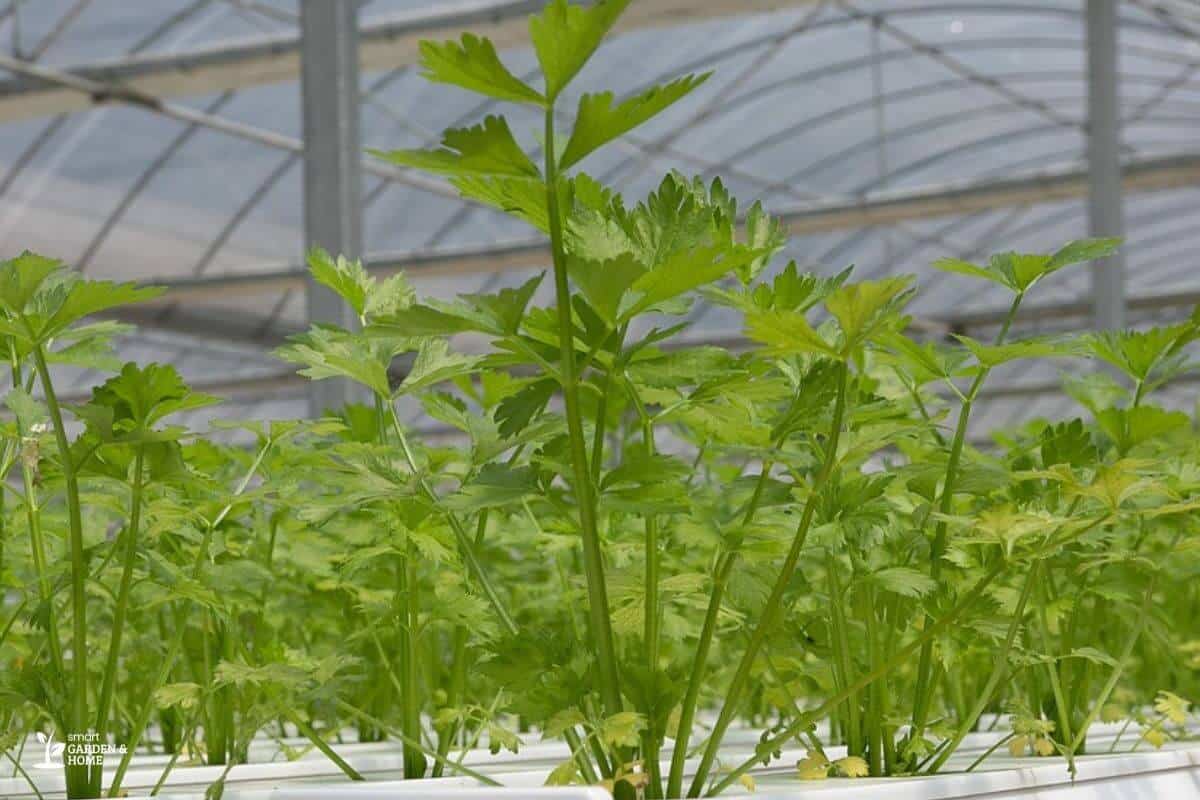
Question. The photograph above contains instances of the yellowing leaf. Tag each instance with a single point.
(1172, 706)
(1112, 712)
(564, 774)
(1155, 737)
(813, 767)
(852, 767)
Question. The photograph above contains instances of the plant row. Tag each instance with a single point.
(633, 541)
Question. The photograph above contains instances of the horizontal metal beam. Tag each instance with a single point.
(108, 92)
(385, 45)
(1140, 175)
(1050, 186)
(1076, 311)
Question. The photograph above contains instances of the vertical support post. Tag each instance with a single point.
(332, 161)
(1106, 215)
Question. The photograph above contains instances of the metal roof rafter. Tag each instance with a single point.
(386, 44)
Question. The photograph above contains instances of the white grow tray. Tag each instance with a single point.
(1169, 774)
(1173, 772)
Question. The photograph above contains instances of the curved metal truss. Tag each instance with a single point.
(162, 142)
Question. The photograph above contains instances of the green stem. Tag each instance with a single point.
(1118, 669)
(593, 558)
(733, 694)
(653, 737)
(414, 761)
(875, 733)
(37, 544)
(308, 733)
(841, 656)
(81, 781)
(1112, 748)
(104, 704)
(460, 534)
(18, 769)
(1060, 697)
(999, 743)
(458, 668)
(12, 620)
(999, 670)
(579, 752)
(139, 722)
(923, 695)
(416, 744)
(37, 547)
(898, 658)
(724, 568)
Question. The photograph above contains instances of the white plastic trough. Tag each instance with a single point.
(1171, 773)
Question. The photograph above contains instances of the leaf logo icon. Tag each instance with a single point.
(52, 750)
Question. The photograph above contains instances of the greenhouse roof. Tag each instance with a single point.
(888, 133)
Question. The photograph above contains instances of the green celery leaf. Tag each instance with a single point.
(565, 36)
(598, 121)
(683, 271)
(501, 313)
(516, 411)
(992, 355)
(1139, 353)
(1018, 272)
(523, 198)
(485, 149)
(418, 321)
(496, 485)
(25, 408)
(866, 308)
(923, 362)
(765, 233)
(787, 333)
(435, 364)
(1067, 443)
(789, 290)
(904, 581)
(327, 352)
(1129, 427)
(145, 395)
(472, 63)
(21, 277)
(604, 283)
(82, 298)
(1082, 250)
(346, 278)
